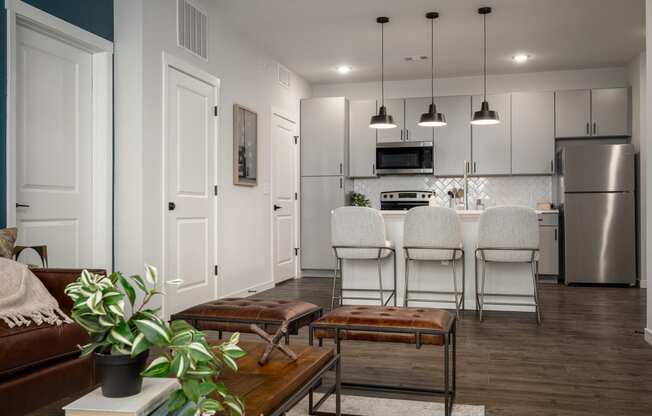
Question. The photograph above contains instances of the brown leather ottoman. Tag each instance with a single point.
(393, 324)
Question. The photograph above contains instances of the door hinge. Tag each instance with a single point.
(296, 139)
(296, 251)
(215, 190)
(296, 196)
(217, 269)
(216, 111)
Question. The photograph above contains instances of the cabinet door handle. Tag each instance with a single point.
(340, 168)
(552, 166)
(595, 128)
(475, 167)
(555, 234)
(373, 168)
(340, 183)
(588, 129)
(407, 134)
(401, 134)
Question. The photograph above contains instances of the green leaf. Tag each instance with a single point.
(106, 321)
(189, 411)
(211, 404)
(230, 362)
(191, 390)
(202, 371)
(176, 401)
(182, 339)
(139, 345)
(139, 282)
(117, 309)
(89, 348)
(160, 367)
(151, 315)
(85, 278)
(112, 297)
(88, 322)
(129, 290)
(233, 351)
(234, 405)
(151, 274)
(154, 332)
(180, 364)
(235, 338)
(199, 352)
(221, 389)
(115, 277)
(207, 388)
(122, 333)
(180, 325)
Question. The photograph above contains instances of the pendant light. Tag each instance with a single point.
(485, 116)
(382, 120)
(432, 118)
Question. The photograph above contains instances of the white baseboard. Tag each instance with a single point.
(643, 284)
(252, 290)
(648, 335)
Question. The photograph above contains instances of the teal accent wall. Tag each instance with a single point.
(95, 16)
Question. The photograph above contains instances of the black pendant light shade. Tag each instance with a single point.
(432, 118)
(382, 120)
(485, 116)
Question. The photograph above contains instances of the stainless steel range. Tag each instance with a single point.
(404, 200)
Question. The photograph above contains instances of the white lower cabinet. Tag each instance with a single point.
(491, 144)
(453, 141)
(533, 133)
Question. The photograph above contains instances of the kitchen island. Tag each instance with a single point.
(510, 279)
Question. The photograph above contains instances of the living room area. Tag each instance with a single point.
(198, 214)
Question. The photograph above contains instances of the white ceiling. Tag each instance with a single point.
(313, 36)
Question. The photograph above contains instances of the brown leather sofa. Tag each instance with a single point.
(41, 364)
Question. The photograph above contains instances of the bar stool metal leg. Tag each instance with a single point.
(380, 277)
(463, 258)
(484, 268)
(537, 306)
(457, 302)
(395, 278)
(407, 280)
(337, 267)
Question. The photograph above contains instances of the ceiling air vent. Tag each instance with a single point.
(192, 28)
(283, 76)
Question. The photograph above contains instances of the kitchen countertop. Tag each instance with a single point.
(469, 213)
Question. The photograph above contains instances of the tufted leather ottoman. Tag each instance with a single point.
(392, 324)
(237, 314)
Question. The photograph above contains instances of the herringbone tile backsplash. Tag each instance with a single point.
(509, 190)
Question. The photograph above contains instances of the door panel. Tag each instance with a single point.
(362, 139)
(319, 196)
(533, 132)
(190, 142)
(54, 149)
(395, 108)
(453, 141)
(491, 144)
(599, 238)
(548, 250)
(284, 176)
(572, 113)
(610, 111)
(414, 107)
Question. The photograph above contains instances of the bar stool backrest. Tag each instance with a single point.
(357, 227)
(508, 227)
(432, 227)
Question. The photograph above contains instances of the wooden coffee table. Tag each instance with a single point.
(279, 385)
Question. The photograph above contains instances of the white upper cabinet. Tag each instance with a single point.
(395, 108)
(453, 141)
(602, 112)
(573, 113)
(533, 135)
(491, 144)
(362, 139)
(610, 112)
(414, 107)
(324, 136)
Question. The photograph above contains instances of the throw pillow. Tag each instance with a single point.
(7, 242)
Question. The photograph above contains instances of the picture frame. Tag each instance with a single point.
(245, 146)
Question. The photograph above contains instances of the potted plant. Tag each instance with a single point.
(121, 345)
(197, 364)
(360, 200)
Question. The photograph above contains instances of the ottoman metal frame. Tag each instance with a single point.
(448, 334)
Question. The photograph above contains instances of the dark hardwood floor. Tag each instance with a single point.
(589, 356)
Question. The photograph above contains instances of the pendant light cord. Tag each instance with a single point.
(382, 64)
(484, 69)
(432, 59)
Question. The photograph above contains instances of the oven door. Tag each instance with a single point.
(404, 158)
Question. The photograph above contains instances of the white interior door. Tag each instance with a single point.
(284, 186)
(190, 223)
(54, 186)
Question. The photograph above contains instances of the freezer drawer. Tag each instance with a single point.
(599, 238)
(319, 196)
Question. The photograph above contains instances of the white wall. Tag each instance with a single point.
(648, 165)
(248, 77)
(540, 81)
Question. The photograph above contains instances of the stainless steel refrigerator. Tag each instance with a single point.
(596, 186)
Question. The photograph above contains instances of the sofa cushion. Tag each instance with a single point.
(31, 346)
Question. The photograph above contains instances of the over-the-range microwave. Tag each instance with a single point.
(401, 158)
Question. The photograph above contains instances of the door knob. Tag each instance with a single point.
(171, 206)
(22, 205)
(277, 207)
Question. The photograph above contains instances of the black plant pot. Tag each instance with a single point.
(120, 374)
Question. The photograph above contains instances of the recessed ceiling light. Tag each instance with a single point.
(520, 58)
(344, 69)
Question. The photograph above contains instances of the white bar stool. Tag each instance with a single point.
(433, 234)
(508, 235)
(358, 233)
